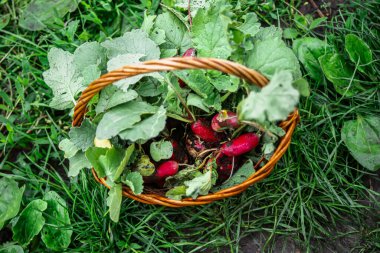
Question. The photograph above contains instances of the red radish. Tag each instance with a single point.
(224, 119)
(240, 145)
(188, 53)
(179, 154)
(202, 128)
(166, 169)
(195, 146)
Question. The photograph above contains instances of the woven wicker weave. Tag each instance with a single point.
(169, 64)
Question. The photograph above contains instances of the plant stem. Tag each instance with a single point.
(260, 127)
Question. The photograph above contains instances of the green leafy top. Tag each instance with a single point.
(273, 103)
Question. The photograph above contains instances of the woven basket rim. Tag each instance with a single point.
(177, 63)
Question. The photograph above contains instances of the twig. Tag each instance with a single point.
(315, 6)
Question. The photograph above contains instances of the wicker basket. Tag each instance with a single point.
(168, 64)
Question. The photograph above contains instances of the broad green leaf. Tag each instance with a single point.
(92, 155)
(135, 182)
(126, 59)
(251, 25)
(210, 31)
(89, 53)
(158, 36)
(83, 136)
(197, 81)
(148, 22)
(67, 146)
(241, 174)
(30, 222)
(90, 73)
(114, 202)
(308, 50)
(176, 193)
(200, 185)
(63, 79)
(56, 234)
(176, 34)
(161, 150)
(147, 128)
(271, 55)
(134, 42)
(197, 101)
(40, 13)
(111, 161)
(225, 83)
(340, 74)
(11, 248)
(127, 156)
(122, 117)
(360, 53)
(112, 96)
(10, 199)
(362, 138)
(273, 103)
(77, 163)
(150, 87)
(269, 33)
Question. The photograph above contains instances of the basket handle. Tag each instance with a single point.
(168, 64)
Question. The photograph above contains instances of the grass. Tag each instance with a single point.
(318, 197)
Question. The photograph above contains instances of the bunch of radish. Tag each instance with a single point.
(209, 138)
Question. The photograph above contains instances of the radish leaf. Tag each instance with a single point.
(273, 103)
(161, 150)
(210, 31)
(83, 136)
(135, 182)
(114, 202)
(63, 79)
(134, 42)
(76, 163)
(147, 128)
(271, 55)
(176, 33)
(122, 117)
(112, 96)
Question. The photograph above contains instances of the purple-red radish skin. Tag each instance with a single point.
(224, 119)
(202, 128)
(166, 169)
(240, 145)
(188, 53)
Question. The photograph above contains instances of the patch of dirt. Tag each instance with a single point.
(319, 8)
